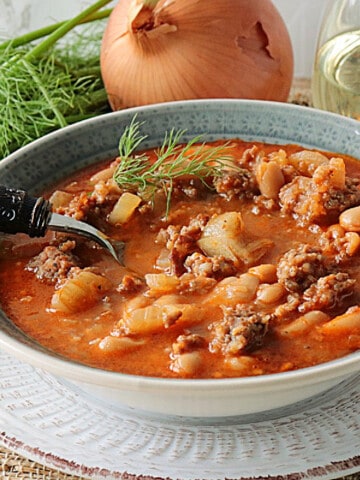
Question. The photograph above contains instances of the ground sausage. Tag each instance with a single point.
(130, 284)
(181, 242)
(237, 183)
(339, 200)
(77, 208)
(300, 267)
(54, 263)
(240, 330)
(308, 203)
(188, 343)
(328, 292)
(213, 267)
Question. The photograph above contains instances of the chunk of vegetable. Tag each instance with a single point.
(159, 282)
(234, 249)
(60, 199)
(150, 319)
(103, 175)
(219, 246)
(160, 315)
(306, 161)
(224, 236)
(228, 224)
(124, 208)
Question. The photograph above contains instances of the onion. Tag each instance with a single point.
(164, 50)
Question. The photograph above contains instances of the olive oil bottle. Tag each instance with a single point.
(336, 78)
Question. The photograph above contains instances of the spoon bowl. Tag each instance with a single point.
(62, 223)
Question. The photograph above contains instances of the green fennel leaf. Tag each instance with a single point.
(174, 159)
(50, 84)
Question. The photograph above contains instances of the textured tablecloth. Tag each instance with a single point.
(13, 466)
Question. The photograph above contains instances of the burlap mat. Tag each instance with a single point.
(13, 466)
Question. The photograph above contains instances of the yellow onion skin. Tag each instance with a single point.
(191, 49)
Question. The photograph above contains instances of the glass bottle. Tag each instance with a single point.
(336, 73)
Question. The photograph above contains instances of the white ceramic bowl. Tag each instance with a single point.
(51, 158)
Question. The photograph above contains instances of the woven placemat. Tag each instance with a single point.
(14, 466)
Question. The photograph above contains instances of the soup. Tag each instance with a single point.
(246, 268)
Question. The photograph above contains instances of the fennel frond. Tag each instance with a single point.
(174, 159)
(48, 84)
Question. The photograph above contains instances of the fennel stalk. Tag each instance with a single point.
(48, 84)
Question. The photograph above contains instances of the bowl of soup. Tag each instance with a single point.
(238, 287)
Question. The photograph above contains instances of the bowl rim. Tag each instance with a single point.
(77, 371)
(130, 112)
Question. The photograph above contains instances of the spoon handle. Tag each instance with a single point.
(21, 213)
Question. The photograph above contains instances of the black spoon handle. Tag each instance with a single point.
(21, 213)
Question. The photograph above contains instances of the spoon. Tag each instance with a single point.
(21, 213)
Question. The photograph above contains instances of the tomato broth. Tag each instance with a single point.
(250, 272)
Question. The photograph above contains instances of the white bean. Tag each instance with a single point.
(336, 231)
(118, 344)
(350, 219)
(270, 178)
(137, 302)
(243, 365)
(353, 243)
(233, 290)
(270, 293)
(188, 363)
(303, 323)
(266, 272)
(347, 323)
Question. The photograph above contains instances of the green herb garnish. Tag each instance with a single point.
(174, 159)
(48, 82)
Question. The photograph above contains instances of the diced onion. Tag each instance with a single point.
(124, 208)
